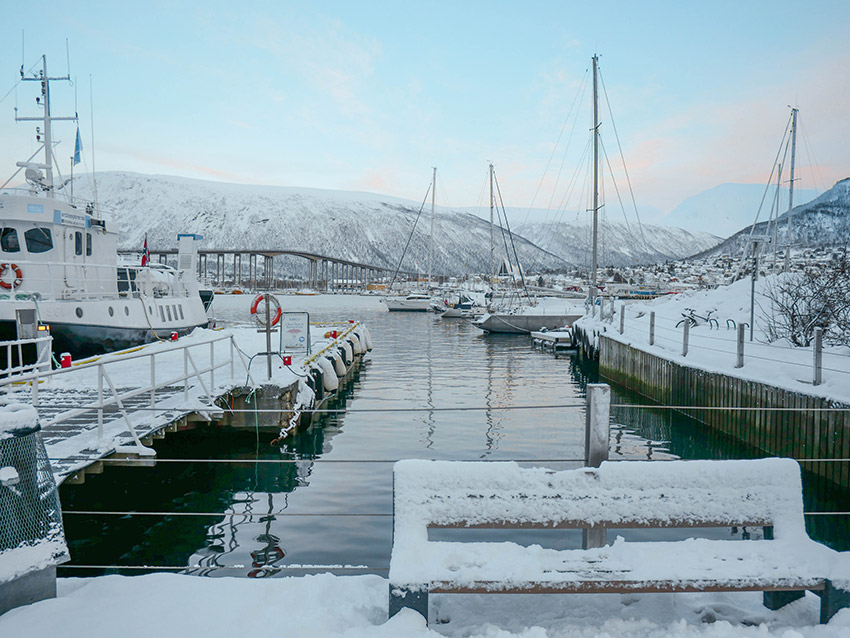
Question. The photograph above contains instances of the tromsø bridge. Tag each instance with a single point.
(255, 269)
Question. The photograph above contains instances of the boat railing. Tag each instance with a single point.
(200, 361)
(87, 281)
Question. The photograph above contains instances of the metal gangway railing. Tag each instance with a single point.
(15, 367)
(109, 396)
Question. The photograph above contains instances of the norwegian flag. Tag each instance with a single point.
(146, 254)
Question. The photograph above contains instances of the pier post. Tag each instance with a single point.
(596, 437)
(622, 316)
(652, 328)
(739, 362)
(817, 357)
(686, 328)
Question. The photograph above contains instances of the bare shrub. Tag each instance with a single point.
(817, 297)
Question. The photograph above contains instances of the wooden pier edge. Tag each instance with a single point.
(808, 427)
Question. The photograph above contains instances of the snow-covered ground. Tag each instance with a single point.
(715, 349)
(166, 605)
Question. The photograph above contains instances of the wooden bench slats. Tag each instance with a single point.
(620, 586)
(619, 524)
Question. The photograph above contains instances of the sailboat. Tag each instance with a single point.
(523, 318)
(59, 264)
(416, 301)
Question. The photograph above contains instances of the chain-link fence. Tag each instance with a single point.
(31, 534)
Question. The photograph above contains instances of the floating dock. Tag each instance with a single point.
(109, 409)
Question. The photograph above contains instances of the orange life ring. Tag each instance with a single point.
(255, 304)
(19, 276)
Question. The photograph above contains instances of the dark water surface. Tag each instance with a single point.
(331, 503)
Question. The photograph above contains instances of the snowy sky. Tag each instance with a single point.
(370, 95)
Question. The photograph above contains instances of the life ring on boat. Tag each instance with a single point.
(275, 306)
(19, 276)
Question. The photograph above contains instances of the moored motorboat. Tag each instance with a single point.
(59, 260)
(414, 302)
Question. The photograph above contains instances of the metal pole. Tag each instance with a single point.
(739, 362)
(597, 424)
(652, 328)
(622, 316)
(596, 436)
(492, 244)
(791, 191)
(153, 380)
(268, 337)
(593, 286)
(100, 402)
(817, 354)
(431, 237)
(686, 327)
(756, 246)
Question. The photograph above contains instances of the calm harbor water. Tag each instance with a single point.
(431, 388)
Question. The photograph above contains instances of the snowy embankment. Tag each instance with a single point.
(356, 607)
(714, 347)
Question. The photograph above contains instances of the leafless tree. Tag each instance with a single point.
(818, 296)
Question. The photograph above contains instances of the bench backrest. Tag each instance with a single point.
(764, 492)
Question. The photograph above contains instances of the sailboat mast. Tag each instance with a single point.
(791, 189)
(431, 237)
(593, 284)
(492, 244)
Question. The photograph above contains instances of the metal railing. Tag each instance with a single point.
(205, 376)
(12, 371)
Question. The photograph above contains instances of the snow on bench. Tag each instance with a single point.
(763, 493)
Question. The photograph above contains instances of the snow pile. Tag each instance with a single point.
(767, 491)
(356, 607)
(714, 347)
(17, 419)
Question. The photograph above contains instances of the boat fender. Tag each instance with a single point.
(328, 374)
(19, 276)
(368, 338)
(355, 343)
(349, 354)
(339, 365)
(318, 385)
(275, 307)
(345, 360)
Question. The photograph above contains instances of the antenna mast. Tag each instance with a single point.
(46, 119)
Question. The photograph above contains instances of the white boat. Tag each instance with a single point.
(414, 302)
(527, 319)
(59, 259)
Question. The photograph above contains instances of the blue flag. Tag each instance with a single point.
(78, 147)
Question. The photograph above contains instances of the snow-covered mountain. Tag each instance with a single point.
(363, 227)
(619, 244)
(825, 221)
(727, 208)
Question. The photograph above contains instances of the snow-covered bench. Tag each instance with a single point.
(764, 494)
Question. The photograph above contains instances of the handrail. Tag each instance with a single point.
(118, 358)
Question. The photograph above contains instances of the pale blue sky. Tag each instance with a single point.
(370, 95)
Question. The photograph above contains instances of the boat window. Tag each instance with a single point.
(9, 240)
(78, 243)
(168, 312)
(88, 244)
(180, 308)
(162, 314)
(39, 240)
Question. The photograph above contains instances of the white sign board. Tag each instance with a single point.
(295, 331)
